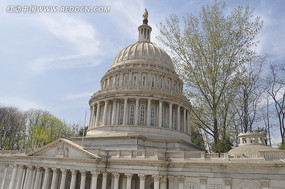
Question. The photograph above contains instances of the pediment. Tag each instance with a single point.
(63, 148)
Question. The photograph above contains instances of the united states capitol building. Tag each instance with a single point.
(139, 138)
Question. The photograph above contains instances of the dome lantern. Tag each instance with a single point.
(144, 29)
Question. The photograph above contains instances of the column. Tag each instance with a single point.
(92, 116)
(54, 178)
(83, 179)
(104, 180)
(105, 113)
(46, 178)
(170, 115)
(26, 178)
(37, 181)
(159, 114)
(163, 183)
(181, 182)
(33, 177)
(94, 179)
(148, 112)
(116, 180)
(137, 112)
(142, 181)
(63, 178)
(13, 177)
(203, 183)
(129, 181)
(156, 181)
(184, 120)
(171, 182)
(125, 111)
(29, 178)
(114, 113)
(73, 179)
(4, 176)
(97, 115)
(20, 177)
(178, 118)
(188, 123)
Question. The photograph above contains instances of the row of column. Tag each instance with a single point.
(96, 109)
(30, 177)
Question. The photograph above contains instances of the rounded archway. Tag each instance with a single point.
(246, 185)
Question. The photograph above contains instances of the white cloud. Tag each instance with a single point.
(81, 37)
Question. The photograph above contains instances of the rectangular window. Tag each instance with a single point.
(142, 113)
(126, 79)
(152, 116)
(143, 81)
(161, 83)
(134, 80)
(132, 114)
(118, 81)
(121, 115)
(152, 81)
(111, 81)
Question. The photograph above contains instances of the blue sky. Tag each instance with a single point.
(54, 61)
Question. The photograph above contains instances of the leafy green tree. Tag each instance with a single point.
(43, 128)
(210, 52)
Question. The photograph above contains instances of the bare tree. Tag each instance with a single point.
(276, 90)
(247, 101)
(12, 128)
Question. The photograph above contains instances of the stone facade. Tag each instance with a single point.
(139, 138)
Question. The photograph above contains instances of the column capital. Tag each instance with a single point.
(181, 178)
(163, 179)
(83, 172)
(73, 171)
(105, 174)
(156, 178)
(63, 171)
(116, 175)
(46, 168)
(171, 178)
(21, 166)
(203, 180)
(54, 169)
(30, 167)
(95, 173)
(129, 175)
(142, 176)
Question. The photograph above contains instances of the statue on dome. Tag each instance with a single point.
(145, 16)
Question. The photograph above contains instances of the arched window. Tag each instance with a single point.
(152, 116)
(132, 114)
(134, 80)
(121, 115)
(142, 115)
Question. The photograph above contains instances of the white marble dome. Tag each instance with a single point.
(144, 51)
